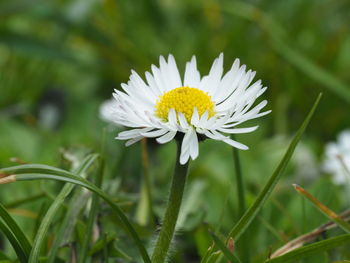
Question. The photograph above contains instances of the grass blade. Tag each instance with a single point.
(24, 200)
(251, 213)
(45, 223)
(22, 256)
(29, 168)
(280, 43)
(324, 209)
(314, 248)
(15, 229)
(308, 237)
(245, 251)
(227, 253)
(51, 212)
(92, 216)
(209, 252)
(76, 204)
(71, 178)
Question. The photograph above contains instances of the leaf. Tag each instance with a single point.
(29, 168)
(24, 200)
(101, 243)
(30, 45)
(324, 209)
(311, 249)
(76, 204)
(251, 213)
(209, 252)
(52, 211)
(214, 257)
(71, 178)
(280, 43)
(227, 253)
(21, 254)
(15, 229)
(92, 216)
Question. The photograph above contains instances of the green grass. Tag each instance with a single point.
(298, 48)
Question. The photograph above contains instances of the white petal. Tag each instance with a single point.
(210, 135)
(193, 145)
(125, 135)
(238, 130)
(139, 84)
(183, 121)
(214, 75)
(157, 75)
(132, 141)
(192, 76)
(166, 137)
(209, 124)
(195, 117)
(218, 136)
(172, 117)
(242, 95)
(227, 83)
(108, 110)
(155, 133)
(234, 87)
(153, 85)
(203, 119)
(236, 144)
(184, 157)
(185, 147)
(174, 72)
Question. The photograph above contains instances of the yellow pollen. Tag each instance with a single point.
(184, 99)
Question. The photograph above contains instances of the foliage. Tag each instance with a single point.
(60, 59)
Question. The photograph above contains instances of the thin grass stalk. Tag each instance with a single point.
(147, 180)
(240, 198)
(252, 211)
(312, 249)
(94, 206)
(92, 216)
(309, 237)
(239, 180)
(324, 209)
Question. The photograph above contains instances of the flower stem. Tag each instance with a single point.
(167, 231)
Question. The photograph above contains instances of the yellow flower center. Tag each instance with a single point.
(184, 99)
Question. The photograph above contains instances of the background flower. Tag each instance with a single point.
(337, 158)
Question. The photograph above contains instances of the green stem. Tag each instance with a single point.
(167, 231)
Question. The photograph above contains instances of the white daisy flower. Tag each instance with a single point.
(108, 110)
(337, 159)
(209, 106)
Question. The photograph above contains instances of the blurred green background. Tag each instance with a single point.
(59, 60)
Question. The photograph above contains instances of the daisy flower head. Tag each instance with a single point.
(337, 159)
(165, 105)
